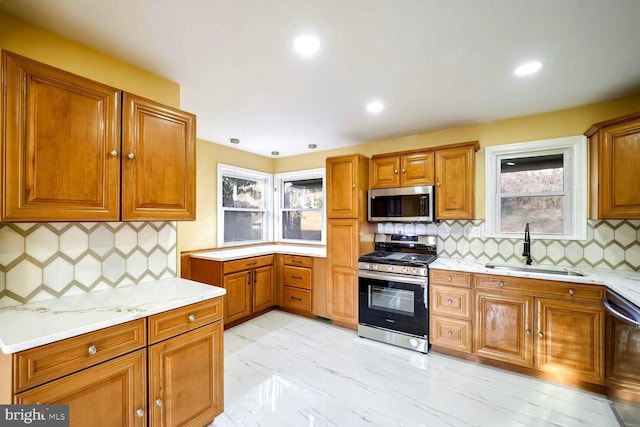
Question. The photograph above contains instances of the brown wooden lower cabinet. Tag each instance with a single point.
(183, 387)
(109, 394)
(124, 378)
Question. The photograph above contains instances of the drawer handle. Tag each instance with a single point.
(192, 318)
(296, 299)
(501, 284)
(528, 332)
(450, 333)
(450, 302)
(295, 261)
(540, 334)
(571, 292)
(140, 413)
(93, 350)
(251, 263)
(296, 277)
(158, 403)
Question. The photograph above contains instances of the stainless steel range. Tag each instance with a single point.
(393, 297)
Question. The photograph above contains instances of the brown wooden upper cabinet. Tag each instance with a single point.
(408, 169)
(614, 151)
(346, 186)
(78, 150)
(455, 181)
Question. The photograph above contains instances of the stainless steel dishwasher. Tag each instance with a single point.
(623, 357)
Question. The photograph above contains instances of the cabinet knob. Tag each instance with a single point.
(449, 278)
(158, 402)
(404, 171)
(571, 291)
(501, 284)
(396, 171)
(140, 413)
(450, 333)
(131, 156)
(93, 350)
(450, 302)
(354, 186)
(192, 318)
(540, 334)
(437, 184)
(528, 332)
(114, 153)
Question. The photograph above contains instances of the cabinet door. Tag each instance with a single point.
(158, 163)
(237, 301)
(112, 394)
(385, 172)
(417, 169)
(342, 191)
(570, 339)
(61, 145)
(185, 378)
(264, 295)
(503, 327)
(455, 183)
(342, 254)
(619, 158)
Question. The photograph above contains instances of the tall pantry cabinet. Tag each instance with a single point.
(348, 234)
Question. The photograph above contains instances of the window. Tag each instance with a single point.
(543, 183)
(244, 200)
(300, 206)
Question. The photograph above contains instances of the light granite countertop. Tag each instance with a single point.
(30, 325)
(625, 283)
(248, 251)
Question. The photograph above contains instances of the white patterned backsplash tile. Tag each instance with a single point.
(47, 260)
(610, 244)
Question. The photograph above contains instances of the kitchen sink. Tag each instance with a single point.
(531, 269)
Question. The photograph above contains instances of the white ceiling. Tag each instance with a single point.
(435, 64)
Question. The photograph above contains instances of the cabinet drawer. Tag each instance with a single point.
(51, 361)
(297, 277)
(174, 322)
(451, 333)
(298, 261)
(542, 288)
(452, 278)
(246, 263)
(451, 301)
(297, 298)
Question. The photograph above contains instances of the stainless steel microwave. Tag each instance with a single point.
(402, 204)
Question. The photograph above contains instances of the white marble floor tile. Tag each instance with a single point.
(286, 370)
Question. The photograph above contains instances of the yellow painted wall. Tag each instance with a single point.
(25, 39)
(202, 233)
(554, 124)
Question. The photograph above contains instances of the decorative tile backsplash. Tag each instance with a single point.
(48, 260)
(610, 245)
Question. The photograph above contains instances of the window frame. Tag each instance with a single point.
(574, 150)
(279, 180)
(242, 173)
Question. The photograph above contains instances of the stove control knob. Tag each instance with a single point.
(366, 265)
(389, 267)
(416, 271)
(405, 270)
(375, 266)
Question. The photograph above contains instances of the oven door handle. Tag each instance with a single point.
(615, 313)
(420, 281)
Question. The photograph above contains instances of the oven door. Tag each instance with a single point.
(393, 302)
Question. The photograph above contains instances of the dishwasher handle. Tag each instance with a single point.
(615, 313)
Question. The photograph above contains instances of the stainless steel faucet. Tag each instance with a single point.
(527, 243)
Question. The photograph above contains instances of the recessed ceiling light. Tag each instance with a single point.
(306, 45)
(528, 68)
(234, 140)
(275, 153)
(375, 106)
